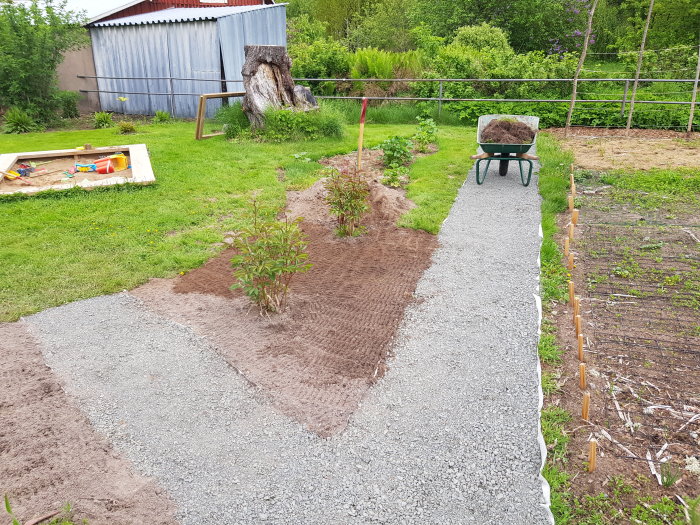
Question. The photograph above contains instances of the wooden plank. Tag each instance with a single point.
(202, 110)
(141, 169)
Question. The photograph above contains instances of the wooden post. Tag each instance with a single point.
(566, 246)
(581, 356)
(574, 216)
(586, 406)
(582, 376)
(695, 94)
(577, 307)
(571, 177)
(578, 325)
(573, 190)
(640, 58)
(570, 264)
(571, 232)
(571, 203)
(582, 58)
(571, 293)
(592, 453)
(361, 137)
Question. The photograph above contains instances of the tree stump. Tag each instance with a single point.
(268, 83)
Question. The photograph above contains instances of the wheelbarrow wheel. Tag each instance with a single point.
(503, 165)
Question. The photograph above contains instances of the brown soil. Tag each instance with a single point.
(51, 455)
(317, 360)
(593, 132)
(55, 173)
(507, 132)
(608, 153)
(638, 285)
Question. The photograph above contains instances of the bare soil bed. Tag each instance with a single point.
(638, 275)
(51, 455)
(317, 360)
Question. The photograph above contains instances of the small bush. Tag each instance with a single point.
(233, 120)
(426, 133)
(67, 102)
(395, 176)
(161, 117)
(347, 199)
(102, 119)
(484, 37)
(270, 254)
(126, 127)
(18, 121)
(286, 124)
(397, 151)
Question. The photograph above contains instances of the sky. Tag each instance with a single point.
(94, 7)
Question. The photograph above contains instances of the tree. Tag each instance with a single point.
(34, 36)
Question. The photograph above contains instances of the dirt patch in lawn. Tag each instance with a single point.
(607, 153)
(317, 360)
(639, 284)
(50, 453)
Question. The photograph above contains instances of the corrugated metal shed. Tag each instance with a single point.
(137, 7)
(175, 51)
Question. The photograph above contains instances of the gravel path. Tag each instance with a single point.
(450, 435)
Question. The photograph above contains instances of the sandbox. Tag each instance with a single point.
(55, 163)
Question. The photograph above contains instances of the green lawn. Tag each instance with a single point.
(72, 245)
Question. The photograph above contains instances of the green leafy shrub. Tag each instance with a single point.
(68, 103)
(396, 151)
(270, 253)
(18, 121)
(286, 124)
(483, 37)
(233, 119)
(426, 133)
(347, 198)
(126, 127)
(161, 117)
(102, 119)
(395, 176)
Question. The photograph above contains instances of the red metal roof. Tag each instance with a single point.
(148, 6)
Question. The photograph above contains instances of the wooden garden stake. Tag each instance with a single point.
(578, 325)
(582, 375)
(573, 190)
(581, 357)
(571, 203)
(571, 261)
(571, 168)
(592, 453)
(566, 246)
(361, 136)
(571, 293)
(586, 406)
(574, 216)
(577, 308)
(571, 231)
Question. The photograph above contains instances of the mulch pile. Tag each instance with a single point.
(507, 132)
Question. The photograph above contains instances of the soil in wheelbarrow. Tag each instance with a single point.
(502, 131)
(317, 360)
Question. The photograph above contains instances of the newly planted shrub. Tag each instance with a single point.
(102, 119)
(270, 253)
(68, 103)
(233, 119)
(397, 150)
(18, 121)
(347, 198)
(285, 124)
(161, 117)
(426, 133)
(395, 176)
(126, 127)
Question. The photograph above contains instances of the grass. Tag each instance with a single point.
(61, 247)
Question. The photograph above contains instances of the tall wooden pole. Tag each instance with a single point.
(640, 58)
(580, 66)
(361, 137)
(695, 93)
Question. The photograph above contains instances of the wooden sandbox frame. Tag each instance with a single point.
(141, 170)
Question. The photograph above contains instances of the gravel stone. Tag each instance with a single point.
(450, 435)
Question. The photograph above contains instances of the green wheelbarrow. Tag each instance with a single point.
(504, 153)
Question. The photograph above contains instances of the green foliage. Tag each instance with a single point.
(34, 36)
(233, 120)
(347, 196)
(67, 102)
(270, 253)
(396, 151)
(161, 117)
(286, 124)
(304, 30)
(126, 127)
(321, 58)
(553, 421)
(395, 176)
(677, 62)
(102, 120)
(547, 348)
(64, 518)
(483, 37)
(426, 133)
(18, 121)
(385, 25)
